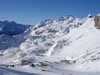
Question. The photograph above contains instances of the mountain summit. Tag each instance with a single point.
(64, 46)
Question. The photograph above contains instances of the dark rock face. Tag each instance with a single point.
(97, 21)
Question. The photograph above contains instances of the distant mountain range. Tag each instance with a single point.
(64, 46)
(12, 28)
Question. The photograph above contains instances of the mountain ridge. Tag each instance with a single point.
(12, 28)
(56, 46)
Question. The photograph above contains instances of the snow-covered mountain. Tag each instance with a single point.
(7, 32)
(12, 28)
(64, 46)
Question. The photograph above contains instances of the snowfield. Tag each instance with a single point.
(64, 46)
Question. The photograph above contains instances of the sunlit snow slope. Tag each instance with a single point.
(65, 46)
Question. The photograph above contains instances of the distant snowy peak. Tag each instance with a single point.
(60, 21)
(65, 18)
(12, 28)
(48, 21)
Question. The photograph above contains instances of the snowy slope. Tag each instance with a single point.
(37, 40)
(64, 46)
(8, 30)
(43, 35)
(83, 47)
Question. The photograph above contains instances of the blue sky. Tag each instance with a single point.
(34, 11)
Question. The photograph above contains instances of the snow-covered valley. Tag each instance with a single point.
(64, 46)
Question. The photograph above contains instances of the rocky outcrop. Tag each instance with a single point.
(97, 21)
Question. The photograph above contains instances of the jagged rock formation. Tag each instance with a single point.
(97, 21)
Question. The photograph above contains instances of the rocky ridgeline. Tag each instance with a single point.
(97, 21)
